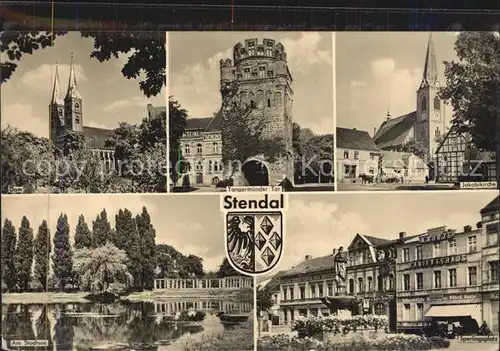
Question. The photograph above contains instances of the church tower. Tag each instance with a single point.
(73, 103)
(56, 109)
(431, 118)
(265, 84)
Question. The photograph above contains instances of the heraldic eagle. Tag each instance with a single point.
(240, 240)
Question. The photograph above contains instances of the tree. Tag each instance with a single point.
(128, 240)
(192, 266)
(42, 250)
(243, 134)
(100, 267)
(416, 148)
(473, 88)
(177, 122)
(151, 175)
(264, 300)
(24, 254)
(69, 142)
(62, 257)
(83, 236)
(148, 53)
(167, 257)
(21, 154)
(147, 237)
(101, 230)
(226, 270)
(9, 273)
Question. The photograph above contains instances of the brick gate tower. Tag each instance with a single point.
(265, 83)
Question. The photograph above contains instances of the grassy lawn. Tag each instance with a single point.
(239, 337)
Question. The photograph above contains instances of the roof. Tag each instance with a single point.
(273, 282)
(492, 206)
(312, 265)
(207, 124)
(377, 241)
(96, 137)
(394, 132)
(355, 139)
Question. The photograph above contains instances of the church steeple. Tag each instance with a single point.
(72, 86)
(430, 76)
(56, 91)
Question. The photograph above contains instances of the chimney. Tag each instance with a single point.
(354, 129)
(479, 225)
(402, 235)
(467, 228)
(374, 131)
(334, 251)
(308, 257)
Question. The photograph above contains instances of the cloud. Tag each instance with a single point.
(196, 86)
(323, 126)
(316, 228)
(24, 118)
(43, 76)
(94, 124)
(135, 101)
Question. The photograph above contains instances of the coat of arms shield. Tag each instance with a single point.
(254, 240)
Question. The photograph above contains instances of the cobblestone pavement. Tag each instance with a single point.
(456, 345)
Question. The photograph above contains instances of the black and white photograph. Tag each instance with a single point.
(121, 272)
(84, 113)
(421, 273)
(251, 109)
(417, 110)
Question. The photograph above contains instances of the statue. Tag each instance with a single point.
(381, 255)
(340, 266)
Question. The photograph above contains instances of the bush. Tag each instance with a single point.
(394, 342)
(225, 183)
(439, 342)
(314, 325)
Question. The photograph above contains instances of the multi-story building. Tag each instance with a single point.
(370, 276)
(490, 216)
(201, 148)
(439, 277)
(357, 155)
(261, 74)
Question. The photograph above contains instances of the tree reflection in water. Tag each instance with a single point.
(91, 324)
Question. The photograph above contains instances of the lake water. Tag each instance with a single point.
(160, 325)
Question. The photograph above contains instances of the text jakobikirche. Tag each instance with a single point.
(438, 261)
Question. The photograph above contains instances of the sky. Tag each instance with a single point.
(381, 71)
(172, 216)
(317, 223)
(108, 97)
(195, 75)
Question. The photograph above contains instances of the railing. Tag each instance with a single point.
(186, 284)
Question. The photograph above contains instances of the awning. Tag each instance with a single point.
(468, 310)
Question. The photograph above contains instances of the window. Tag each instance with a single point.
(406, 254)
(187, 150)
(291, 293)
(418, 252)
(313, 290)
(370, 283)
(216, 166)
(420, 312)
(453, 277)
(452, 247)
(246, 73)
(320, 290)
(252, 104)
(346, 155)
(77, 119)
(59, 112)
(406, 311)
(493, 271)
(423, 104)
(372, 157)
(351, 286)
(361, 285)
(77, 106)
(330, 289)
(419, 277)
(437, 103)
(199, 148)
(380, 283)
(302, 292)
(492, 233)
(379, 309)
(437, 279)
(391, 282)
(356, 155)
(472, 240)
(436, 249)
(406, 282)
(472, 276)
(210, 165)
(199, 167)
(262, 72)
(270, 74)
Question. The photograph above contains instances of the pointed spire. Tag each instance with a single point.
(430, 77)
(56, 91)
(72, 86)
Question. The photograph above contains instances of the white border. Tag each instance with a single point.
(167, 113)
(334, 101)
